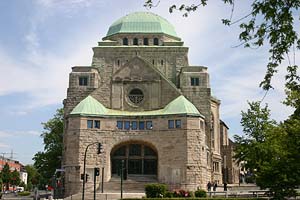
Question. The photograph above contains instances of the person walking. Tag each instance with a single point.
(209, 186)
(215, 186)
(225, 186)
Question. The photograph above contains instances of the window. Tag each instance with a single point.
(194, 81)
(134, 125)
(155, 41)
(178, 123)
(125, 41)
(146, 41)
(118, 62)
(201, 125)
(141, 125)
(135, 150)
(136, 96)
(149, 125)
(89, 123)
(171, 123)
(162, 62)
(174, 123)
(120, 125)
(127, 125)
(96, 124)
(135, 41)
(83, 80)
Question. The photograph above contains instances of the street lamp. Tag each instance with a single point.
(84, 162)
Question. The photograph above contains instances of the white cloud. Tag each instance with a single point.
(2, 145)
(14, 133)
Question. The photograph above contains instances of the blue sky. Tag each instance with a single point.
(40, 40)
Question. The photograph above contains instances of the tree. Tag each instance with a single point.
(15, 178)
(270, 150)
(270, 22)
(6, 176)
(33, 176)
(1, 182)
(48, 161)
(256, 125)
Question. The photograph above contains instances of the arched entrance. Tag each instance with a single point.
(139, 159)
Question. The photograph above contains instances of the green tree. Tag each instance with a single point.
(251, 146)
(270, 150)
(33, 176)
(15, 178)
(48, 161)
(6, 176)
(270, 22)
(1, 182)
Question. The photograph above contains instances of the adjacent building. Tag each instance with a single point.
(147, 106)
(14, 165)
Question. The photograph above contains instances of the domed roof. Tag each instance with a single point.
(141, 22)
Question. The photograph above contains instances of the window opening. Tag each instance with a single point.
(120, 124)
(83, 80)
(125, 41)
(141, 125)
(149, 125)
(136, 96)
(135, 41)
(155, 41)
(127, 125)
(89, 123)
(133, 125)
(96, 124)
(194, 81)
(171, 124)
(178, 123)
(146, 41)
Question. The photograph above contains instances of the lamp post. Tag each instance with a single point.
(122, 173)
(84, 162)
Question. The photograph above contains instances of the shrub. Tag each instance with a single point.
(200, 193)
(155, 190)
(24, 193)
(169, 194)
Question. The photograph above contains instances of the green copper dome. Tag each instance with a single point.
(142, 22)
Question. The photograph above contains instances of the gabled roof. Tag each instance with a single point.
(91, 107)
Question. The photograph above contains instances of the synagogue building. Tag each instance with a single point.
(148, 107)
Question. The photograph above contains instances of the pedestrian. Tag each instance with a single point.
(215, 186)
(225, 186)
(209, 186)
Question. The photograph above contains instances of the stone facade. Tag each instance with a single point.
(187, 155)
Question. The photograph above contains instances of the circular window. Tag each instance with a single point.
(136, 96)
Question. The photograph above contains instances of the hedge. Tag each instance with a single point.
(192, 198)
(25, 193)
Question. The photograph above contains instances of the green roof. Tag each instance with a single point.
(141, 22)
(91, 107)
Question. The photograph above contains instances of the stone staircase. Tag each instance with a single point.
(133, 187)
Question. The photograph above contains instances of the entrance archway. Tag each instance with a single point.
(139, 159)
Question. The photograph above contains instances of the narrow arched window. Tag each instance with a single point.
(155, 41)
(125, 41)
(135, 41)
(146, 41)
